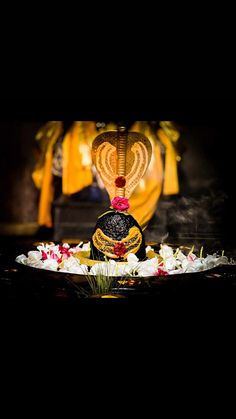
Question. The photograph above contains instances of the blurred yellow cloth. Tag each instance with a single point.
(171, 181)
(46, 138)
(77, 160)
(77, 163)
(42, 175)
(77, 167)
(144, 199)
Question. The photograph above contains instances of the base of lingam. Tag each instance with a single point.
(115, 236)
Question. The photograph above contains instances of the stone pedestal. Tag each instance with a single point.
(75, 219)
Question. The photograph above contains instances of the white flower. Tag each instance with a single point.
(116, 269)
(210, 261)
(148, 267)
(146, 271)
(132, 258)
(110, 268)
(34, 254)
(86, 247)
(98, 268)
(170, 263)
(198, 264)
(34, 259)
(54, 248)
(148, 248)
(45, 246)
(195, 266)
(41, 247)
(180, 256)
(50, 264)
(185, 264)
(165, 251)
(132, 263)
(72, 265)
(222, 260)
(21, 259)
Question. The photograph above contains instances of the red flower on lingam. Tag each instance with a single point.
(119, 249)
(120, 204)
(120, 181)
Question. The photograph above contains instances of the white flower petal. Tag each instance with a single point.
(180, 256)
(165, 251)
(148, 248)
(132, 258)
(50, 264)
(170, 263)
(34, 255)
(21, 259)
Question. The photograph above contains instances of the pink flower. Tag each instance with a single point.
(120, 204)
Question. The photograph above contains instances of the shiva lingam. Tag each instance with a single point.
(117, 246)
(121, 159)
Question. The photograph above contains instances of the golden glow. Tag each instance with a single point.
(77, 162)
(42, 174)
(144, 199)
(171, 181)
(78, 169)
(169, 129)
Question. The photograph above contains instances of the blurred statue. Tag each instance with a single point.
(168, 134)
(77, 161)
(42, 175)
(65, 155)
(143, 201)
(64, 165)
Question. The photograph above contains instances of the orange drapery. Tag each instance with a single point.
(42, 175)
(171, 181)
(77, 168)
(77, 161)
(144, 199)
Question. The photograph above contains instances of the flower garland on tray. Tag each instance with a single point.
(63, 258)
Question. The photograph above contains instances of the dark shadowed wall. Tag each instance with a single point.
(17, 191)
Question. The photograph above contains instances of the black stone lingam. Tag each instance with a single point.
(116, 237)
